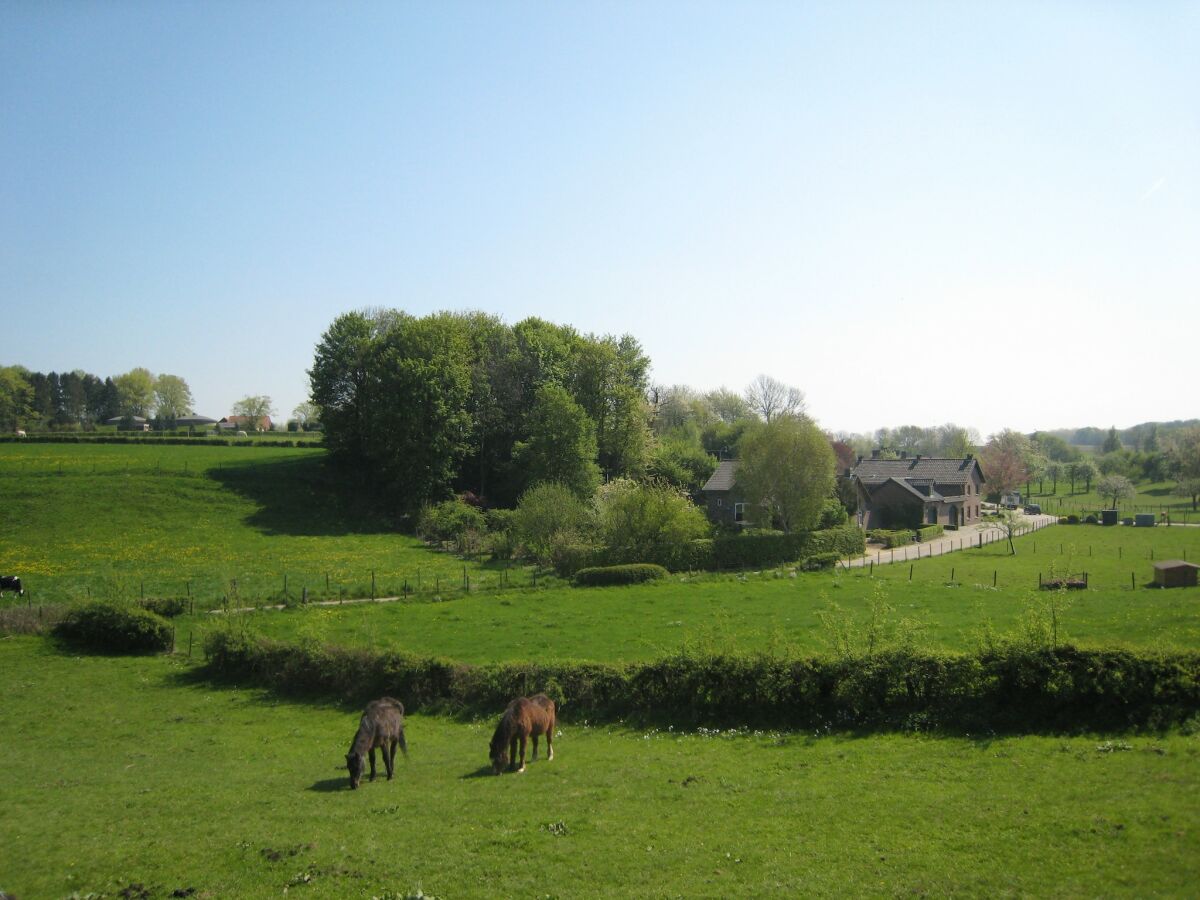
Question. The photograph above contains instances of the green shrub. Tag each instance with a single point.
(167, 607)
(820, 561)
(1062, 520)
(630, 573)
(832, 514)
(1091, 519)
(1072, 519)
(898, 538)
(449, 520)
(569, 558)
(926, 532)
(112, 628)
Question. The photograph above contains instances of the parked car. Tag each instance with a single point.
(1033, 509)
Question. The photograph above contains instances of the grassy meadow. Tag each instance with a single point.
(162, 784)
(950, 603)
(113, 520)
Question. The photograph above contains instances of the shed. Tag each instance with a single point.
(1175, 573)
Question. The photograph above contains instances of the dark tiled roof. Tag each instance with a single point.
(724, 477)
(917, 470)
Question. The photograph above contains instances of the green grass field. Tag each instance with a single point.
(120, 520)
(122, 772)
(1152, 497)
(772, 610)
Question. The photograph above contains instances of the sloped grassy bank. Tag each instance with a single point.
(1009, 689)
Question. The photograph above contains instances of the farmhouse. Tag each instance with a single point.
(917, 490)
(724, 502)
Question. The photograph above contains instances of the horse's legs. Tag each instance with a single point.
(512, 752)
(389, 758)
(550, 741)
(372, 763)
(524, 742)
(535, 743)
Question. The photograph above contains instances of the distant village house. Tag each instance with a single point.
(245, 423)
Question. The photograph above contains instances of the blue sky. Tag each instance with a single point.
(917, 213)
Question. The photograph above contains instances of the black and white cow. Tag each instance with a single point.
(11, 583)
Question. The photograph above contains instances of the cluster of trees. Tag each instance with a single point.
(462, 403)
(455, 402)
(1012, 460)
(78, 399)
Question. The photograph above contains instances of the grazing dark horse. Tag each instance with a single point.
(525, 717)
(11, 583)
(382, 726)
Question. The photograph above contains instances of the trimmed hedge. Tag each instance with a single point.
(898, 538)
(1014, 689)
(925, 532)
(111, 628)
(632, 573)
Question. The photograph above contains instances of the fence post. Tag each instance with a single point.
(994, 573)
(910, 571)
(304, 595)
(1132, 582)
(189, 644)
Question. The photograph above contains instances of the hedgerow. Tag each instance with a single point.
(1014, 688)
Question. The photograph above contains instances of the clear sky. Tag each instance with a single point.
(915, 212)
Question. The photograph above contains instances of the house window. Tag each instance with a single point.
(739, 512)
(720, 502)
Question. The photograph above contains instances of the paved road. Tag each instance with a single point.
(951, 542)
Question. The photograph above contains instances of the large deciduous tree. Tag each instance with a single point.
(1183, 460)
(172, 398)
(561, 445)
(636, 520)
(136, 391)
(255, 407)
(1005, 460)
(786, 472)
(769, 398)
(16, 398)
(338, 383)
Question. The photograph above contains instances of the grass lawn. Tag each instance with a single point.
(772, 610)
(121, 772)
(117, 520)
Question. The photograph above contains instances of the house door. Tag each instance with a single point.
(931, 515)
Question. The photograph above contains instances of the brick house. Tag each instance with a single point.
(725, 504)
(917, 490)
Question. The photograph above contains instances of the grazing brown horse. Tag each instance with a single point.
(382, 726)
(525, 717)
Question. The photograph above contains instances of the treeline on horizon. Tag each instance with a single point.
(63, 401)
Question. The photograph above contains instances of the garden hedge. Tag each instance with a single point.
(925, 532)
(898, 538)
(1012, 689)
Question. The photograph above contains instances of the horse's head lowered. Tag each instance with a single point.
(354, 764)
(499, 753)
